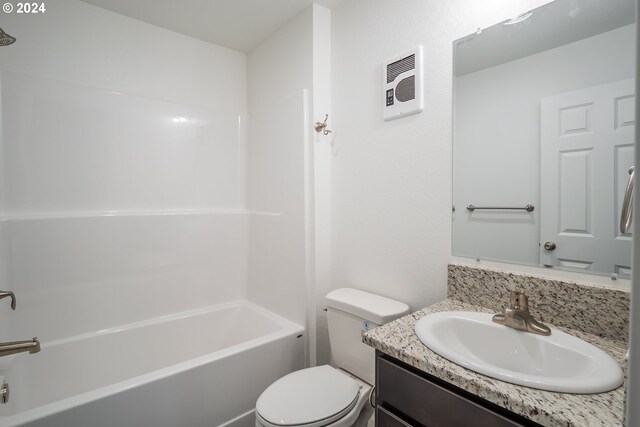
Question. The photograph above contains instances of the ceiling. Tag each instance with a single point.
(554, 24)
(237, 24)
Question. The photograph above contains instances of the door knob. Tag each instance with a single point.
(549, 246)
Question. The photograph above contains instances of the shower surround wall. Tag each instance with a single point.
(122, 172)
(279, 75)
(288, 172)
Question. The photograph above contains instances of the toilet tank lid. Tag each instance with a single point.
(374, 308)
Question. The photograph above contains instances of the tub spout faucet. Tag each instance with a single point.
(517, 316)
(4, 294)
(31, 346)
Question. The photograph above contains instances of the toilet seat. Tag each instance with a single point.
(311, 397)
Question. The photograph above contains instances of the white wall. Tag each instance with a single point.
(122, 171)
(392, 180)
(282, 64)
(497, 139)
(84, 44)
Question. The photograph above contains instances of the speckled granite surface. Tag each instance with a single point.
(398, 340)
(595, 310)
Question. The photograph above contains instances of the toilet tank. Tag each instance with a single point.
(349, 313)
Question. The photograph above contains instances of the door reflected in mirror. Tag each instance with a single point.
(544, 114)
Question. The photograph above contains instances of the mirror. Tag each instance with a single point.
(544, 112)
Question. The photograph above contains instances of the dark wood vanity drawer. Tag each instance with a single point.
(385, 418)
(421, 400)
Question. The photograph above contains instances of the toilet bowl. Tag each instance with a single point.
(323, 395)
(315, 397)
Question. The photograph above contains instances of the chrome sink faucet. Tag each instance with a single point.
(517, 316)
(13, 347)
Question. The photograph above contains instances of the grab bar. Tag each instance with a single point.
(627, 205)
(528, 208)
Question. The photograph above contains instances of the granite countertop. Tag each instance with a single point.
(397, 339)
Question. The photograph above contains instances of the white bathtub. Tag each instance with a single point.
(204, 367)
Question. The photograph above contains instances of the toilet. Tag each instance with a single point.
(323, 395)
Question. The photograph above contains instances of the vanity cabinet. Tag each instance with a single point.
(406, 396)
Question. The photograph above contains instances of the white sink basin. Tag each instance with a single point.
(559, 362)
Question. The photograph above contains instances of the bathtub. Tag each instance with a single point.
(204, 367)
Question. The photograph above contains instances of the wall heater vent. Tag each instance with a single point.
(402, 85)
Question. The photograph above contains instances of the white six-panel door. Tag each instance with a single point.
(587, 141)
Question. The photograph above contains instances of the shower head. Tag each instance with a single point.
(6, 39)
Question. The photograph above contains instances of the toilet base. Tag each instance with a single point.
(365, 414)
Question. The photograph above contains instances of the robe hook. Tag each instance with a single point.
(322, 127)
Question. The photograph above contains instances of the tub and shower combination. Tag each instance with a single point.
(203, 367)
(105, 286)
(132, 232)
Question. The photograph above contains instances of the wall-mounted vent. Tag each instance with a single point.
(406, 89)
(399, 67)
(402, 85)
